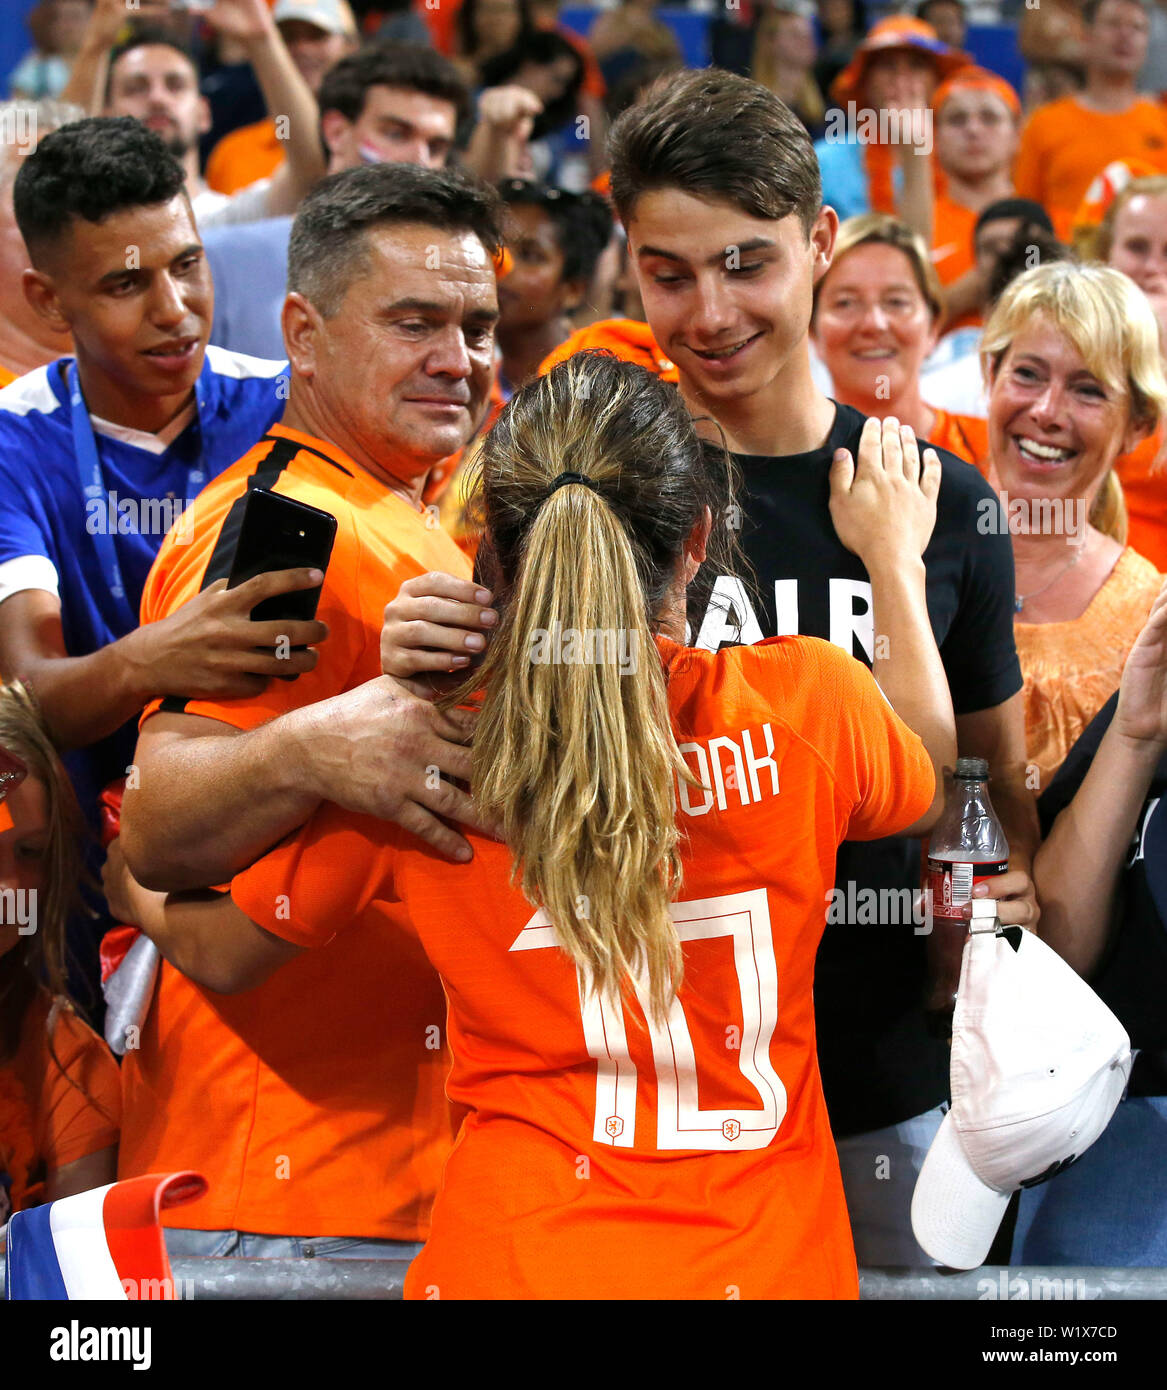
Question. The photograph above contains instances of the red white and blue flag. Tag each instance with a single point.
(103, 1244)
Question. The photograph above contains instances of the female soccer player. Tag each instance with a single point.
(629, 970)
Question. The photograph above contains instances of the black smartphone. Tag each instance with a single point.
(279, 533)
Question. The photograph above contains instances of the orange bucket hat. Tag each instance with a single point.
(900, 31)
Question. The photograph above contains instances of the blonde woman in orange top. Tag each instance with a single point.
(1071, 356)
(876, 317)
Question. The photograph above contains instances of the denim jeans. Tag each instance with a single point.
(248, 1246)
(1110, 1209)
(879, 1176)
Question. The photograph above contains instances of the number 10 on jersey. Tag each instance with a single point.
(681, 1123)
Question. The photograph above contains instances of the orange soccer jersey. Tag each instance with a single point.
(603, 1156)
(314, 1104)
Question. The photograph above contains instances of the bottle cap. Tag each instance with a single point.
(972, 769)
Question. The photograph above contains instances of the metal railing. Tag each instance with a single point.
(217, 1280)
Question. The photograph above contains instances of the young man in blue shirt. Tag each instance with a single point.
(100, 453)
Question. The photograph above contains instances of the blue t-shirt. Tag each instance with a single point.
(249, 264)
(47, 523)
(844, 176)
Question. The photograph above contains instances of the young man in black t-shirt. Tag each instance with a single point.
(717, 185)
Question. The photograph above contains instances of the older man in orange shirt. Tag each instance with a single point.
(315, 1103)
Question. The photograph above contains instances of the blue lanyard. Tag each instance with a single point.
(93, 486)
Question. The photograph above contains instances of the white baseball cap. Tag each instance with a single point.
(1039, 1065)
(333, 16)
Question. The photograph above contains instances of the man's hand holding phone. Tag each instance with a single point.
(211, 649)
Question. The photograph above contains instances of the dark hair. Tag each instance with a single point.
(410, 66)
(1019, 257)
(583, 222)
(148, 36)
(327, 246)
(466, 25)
(713, 134)
(91, 169)
(1034, 214)
(539, 46)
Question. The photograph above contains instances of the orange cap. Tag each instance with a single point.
(899, 31)
(981, 80)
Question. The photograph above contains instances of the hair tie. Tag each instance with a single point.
(565, 478)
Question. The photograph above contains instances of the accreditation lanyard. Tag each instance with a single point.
(93, 486)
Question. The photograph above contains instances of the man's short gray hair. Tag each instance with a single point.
(328, 249)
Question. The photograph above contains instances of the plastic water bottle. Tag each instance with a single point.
(967, 847)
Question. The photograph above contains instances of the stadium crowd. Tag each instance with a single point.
(826, 380)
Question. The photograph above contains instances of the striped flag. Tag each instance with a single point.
(103, 1244)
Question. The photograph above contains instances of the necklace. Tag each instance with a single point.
(1020, 600)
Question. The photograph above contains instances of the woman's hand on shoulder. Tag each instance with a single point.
(884, 506)
(436, 625)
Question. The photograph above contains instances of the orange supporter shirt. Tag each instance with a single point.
(628, 339)
(1064, 145)
(966, 436)
(242, 156)
(54, 1110)
(1144, 486)
(5, 377)
(314, 1104)
(953, 226)
(603, 1157)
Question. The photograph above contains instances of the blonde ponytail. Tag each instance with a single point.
(574, 754)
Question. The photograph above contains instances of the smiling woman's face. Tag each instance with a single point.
(873, 327)
(1054, 427)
